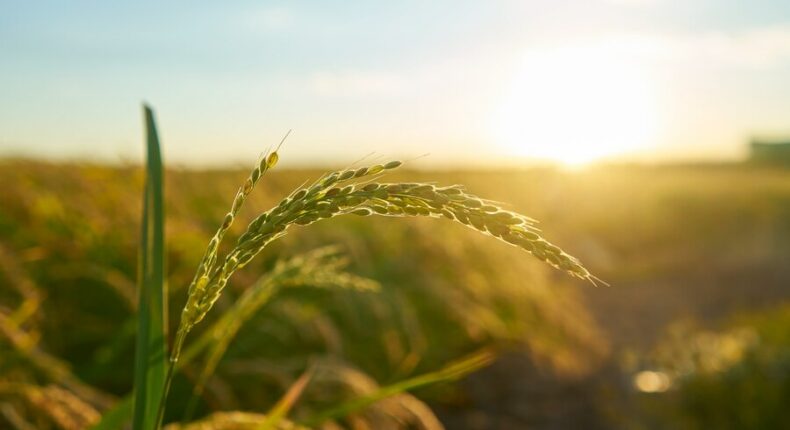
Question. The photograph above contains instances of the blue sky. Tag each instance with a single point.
(466, 81)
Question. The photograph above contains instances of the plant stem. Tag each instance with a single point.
(168, 378)
(175, 353)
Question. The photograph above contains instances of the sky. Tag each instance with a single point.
(566, 81)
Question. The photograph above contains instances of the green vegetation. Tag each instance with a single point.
(348, 191)
(338, 193)
(335, 336)
(735, 377)
(150, 350)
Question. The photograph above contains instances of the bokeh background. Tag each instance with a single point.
(651, 138)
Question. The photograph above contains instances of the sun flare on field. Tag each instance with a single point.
(577, 105)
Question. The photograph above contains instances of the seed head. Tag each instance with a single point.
(272, 160)
(362, 212)
(392, 165)
(324, 200)
(299, 194)
(332, 192)
(227, 221)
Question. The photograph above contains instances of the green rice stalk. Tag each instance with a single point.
(333, 196)
(337, 194)
(209, 261)
(356, 192)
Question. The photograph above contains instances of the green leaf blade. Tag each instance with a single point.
(451, 372)
(150, 357)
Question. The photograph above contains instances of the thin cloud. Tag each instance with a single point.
(756, 48)
(357, 84)
(759, 48)
(267, 19)
(632, 2)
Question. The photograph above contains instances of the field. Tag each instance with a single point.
(699, 303)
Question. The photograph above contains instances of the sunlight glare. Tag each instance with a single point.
(576, 105)
(648, 381)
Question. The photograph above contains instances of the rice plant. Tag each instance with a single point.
(352, 191)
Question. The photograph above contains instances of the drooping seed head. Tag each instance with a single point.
(461, 217)
(473, 203)
(299, 194)
(248, 184)
(392, 164)
(449, 191)
(496, 229)
(227, 221)
(272, 160)
(332, 192)
(354, 200)
(323, 201)
(320, 206)
(307, 218)
(506, 218)
(379, 209)
(347, 189)
(212, 245)
(362, 212)
(237, 203)
(330, 180)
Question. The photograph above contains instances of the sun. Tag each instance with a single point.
(575, 105)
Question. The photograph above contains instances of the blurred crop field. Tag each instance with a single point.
(694, 331)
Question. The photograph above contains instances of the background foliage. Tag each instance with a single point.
(693, 246)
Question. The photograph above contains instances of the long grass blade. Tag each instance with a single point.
(451, 372)
(150, 361)
(280, 410)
